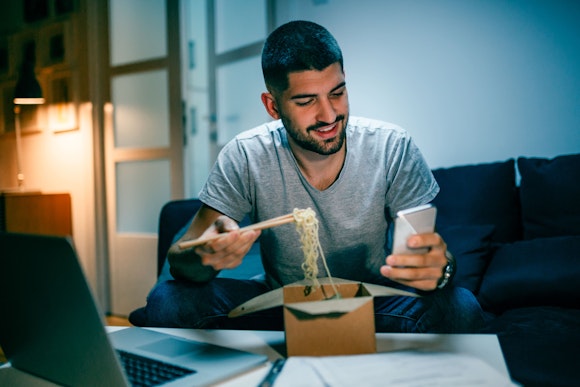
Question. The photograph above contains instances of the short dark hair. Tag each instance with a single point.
(297, 46)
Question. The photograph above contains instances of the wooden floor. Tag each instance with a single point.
(118, 321)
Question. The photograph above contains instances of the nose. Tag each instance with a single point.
(326, 111)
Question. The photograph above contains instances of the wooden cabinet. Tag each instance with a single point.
(36, 213)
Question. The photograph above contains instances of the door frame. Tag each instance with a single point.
(131, 268)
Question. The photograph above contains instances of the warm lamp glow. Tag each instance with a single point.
(26, 92)
(28, 101)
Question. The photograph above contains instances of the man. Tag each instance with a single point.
(355, 173)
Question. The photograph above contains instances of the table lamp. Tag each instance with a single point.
(26, 92)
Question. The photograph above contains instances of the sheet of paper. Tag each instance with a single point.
(405, 368)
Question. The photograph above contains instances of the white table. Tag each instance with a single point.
(271, 343)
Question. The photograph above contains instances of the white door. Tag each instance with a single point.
(222, 46)
(143, 141)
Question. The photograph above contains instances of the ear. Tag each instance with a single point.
(270, 105)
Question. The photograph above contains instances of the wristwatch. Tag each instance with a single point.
(448, 272)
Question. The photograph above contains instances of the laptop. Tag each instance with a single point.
(52, 332)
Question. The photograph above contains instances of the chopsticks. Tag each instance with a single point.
(280, 220)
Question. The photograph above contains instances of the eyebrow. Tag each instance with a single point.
(300, 96)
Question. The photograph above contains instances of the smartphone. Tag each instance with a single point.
(416, 220)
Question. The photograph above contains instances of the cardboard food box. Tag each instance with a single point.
(316, 326)
(317, 323)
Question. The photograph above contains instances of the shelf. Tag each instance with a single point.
(36, 213)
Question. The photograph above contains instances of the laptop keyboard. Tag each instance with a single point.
(142, 371)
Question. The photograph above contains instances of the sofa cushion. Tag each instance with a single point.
(550, 196)
(537, 272)
(479, 194)
(471, 247)
(539, 344)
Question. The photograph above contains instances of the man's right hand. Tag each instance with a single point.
(228, 251)
(202, 263)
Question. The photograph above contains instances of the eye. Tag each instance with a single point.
(304, 102)
(338, 93)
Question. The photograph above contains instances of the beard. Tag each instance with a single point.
(312, 144)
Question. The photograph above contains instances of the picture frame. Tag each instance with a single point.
(31, 118)
(25, 46)
(6, 108)
(62, 101)
(55, 45)
(64, 7)
(4, 59)
(35, 10)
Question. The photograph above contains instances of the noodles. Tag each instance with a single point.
(307, 227)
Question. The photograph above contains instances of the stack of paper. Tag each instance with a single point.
(405, 368)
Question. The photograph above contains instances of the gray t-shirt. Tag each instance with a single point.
(384, 172)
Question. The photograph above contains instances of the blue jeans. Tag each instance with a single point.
(179, 304)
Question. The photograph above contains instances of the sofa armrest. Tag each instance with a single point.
(177, 214)
(173, 217)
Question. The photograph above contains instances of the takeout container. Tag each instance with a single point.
(318, 327)
(317, 324)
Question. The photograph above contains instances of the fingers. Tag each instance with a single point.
(416, 277)
(227, 252)
(421, 271)
(431, 240)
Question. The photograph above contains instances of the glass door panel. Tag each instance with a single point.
(239, 23)
(138, 200)
(239, 86)
(138, 30)
(141, 103)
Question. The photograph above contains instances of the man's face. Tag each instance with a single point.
(314, 109)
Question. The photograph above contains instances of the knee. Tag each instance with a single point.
(172, 304)
(464, 310)
(161, 308)
(179, 304)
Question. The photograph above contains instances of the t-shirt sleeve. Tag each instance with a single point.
(410, 181)
(228, 186)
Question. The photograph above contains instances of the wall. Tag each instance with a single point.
(473, 81)
(56, 161)
(59, 162)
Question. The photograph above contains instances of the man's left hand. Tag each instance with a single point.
(420, 271)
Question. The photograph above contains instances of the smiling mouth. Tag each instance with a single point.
(326, 129)
(327, 133)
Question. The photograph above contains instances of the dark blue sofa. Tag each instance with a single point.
(514, 227)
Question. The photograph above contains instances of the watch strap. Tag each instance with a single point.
(448, 272)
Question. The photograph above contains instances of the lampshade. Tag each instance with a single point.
(27, 90)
